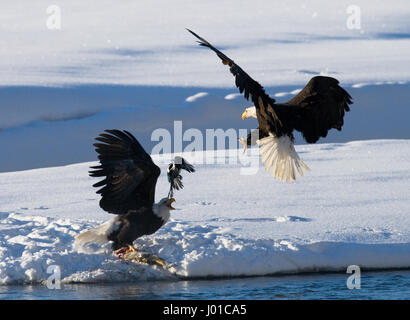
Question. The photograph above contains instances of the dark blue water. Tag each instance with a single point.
(374, 285)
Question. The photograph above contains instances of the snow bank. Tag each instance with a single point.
(30, 245)
(353, 208)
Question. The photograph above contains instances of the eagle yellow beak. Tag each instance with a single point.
(244, 115)
(169, 204)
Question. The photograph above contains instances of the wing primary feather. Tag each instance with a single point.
(129, 173)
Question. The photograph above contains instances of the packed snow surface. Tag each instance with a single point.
(353, 208)
(138, 43)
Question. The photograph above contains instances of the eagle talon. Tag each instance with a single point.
(123, 251)
(244, 144)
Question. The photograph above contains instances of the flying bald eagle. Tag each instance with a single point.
(128, 190)
(319, 107)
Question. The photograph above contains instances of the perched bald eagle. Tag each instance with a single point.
(128, 190)
(319, 107)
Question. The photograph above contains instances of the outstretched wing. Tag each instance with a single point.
(183, 164)
(267, 118)
(319, 107)
(130, 174)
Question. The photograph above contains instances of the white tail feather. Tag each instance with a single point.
(97, 235)
(280, 158)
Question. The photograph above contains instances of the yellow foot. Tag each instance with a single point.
(123, 251)
(244, 144)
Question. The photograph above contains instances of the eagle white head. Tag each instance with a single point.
(163, 207)
(249, 113)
